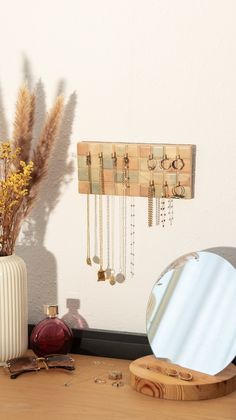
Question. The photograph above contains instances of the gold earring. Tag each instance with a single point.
(151, 164)
(178, 163)
(178, 191)
(165, 163)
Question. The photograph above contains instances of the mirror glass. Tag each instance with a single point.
(191, 314)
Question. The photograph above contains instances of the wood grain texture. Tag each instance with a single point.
(74, 395)
(149, 377)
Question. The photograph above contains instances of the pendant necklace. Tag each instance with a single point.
(96, 257)
(120, 277)
(101, 272)
(108, 269)
(112, 279)
(88, 163)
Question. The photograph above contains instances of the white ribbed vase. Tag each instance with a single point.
(13, 307)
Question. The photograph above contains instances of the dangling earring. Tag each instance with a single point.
(165, 194)
(151, 164)
(158, 210)
(178, 190)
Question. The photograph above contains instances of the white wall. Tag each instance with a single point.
(144, 71)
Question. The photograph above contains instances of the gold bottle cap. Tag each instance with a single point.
(51, 310)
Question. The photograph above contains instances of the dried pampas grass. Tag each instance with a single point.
(39, 154)
(23, 124)
(43, 150)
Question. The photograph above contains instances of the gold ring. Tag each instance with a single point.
(117, 384)
(115, 375)
(171, 372)
(99, 381)
(185, 376)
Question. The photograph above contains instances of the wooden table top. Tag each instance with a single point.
(66, 395)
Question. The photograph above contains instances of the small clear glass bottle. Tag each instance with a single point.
(51, 335)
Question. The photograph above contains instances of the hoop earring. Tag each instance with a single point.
(178, 191)
(165, 163)
(178, 163)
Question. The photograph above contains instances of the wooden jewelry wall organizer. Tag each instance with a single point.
(159, 172)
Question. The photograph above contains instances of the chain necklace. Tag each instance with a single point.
(108, 269)
(120, 277)
(112, 276)
(88, 163)
(101, 272)
(95, 257)
(132, 236)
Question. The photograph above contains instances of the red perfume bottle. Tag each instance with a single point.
(51, 335)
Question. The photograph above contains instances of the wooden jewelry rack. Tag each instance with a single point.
(157, 171)
(171, 167)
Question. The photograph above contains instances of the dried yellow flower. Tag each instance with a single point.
(13, 189)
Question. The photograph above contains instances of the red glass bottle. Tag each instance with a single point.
(51, 335)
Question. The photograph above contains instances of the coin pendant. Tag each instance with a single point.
(88, 261)
(96, 259)
(120, 278)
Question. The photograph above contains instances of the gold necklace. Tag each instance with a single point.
(95, 257)
(112, 278)
(101, 271)
(88, 163)
(108, 269)
(132, 235)
(120, 277)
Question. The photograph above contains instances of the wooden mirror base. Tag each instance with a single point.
(149, 376)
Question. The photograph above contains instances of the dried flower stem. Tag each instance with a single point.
(23, 124)
(20, 179)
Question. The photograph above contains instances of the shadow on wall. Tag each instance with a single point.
(73, 317)
(41, 263)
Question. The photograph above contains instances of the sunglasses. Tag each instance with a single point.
(20, 365)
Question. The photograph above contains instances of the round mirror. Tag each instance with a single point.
(191, 314)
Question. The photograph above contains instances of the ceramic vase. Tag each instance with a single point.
(13, 308)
